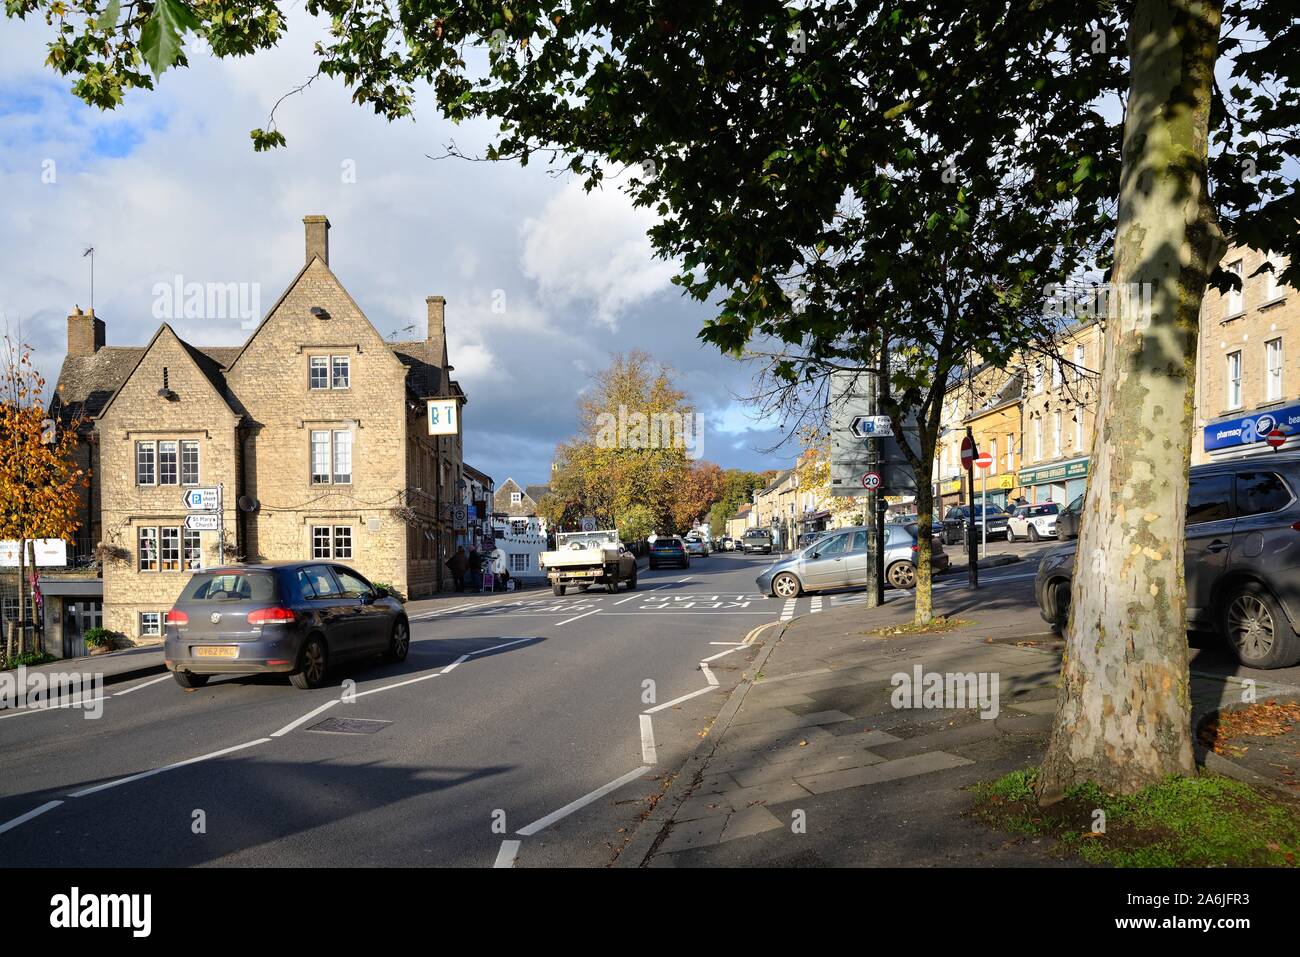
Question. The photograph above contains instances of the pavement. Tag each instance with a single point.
(819, 760)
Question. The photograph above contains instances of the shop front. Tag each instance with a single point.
(1245, 435)
(1059, 482)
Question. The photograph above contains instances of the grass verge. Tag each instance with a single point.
(1205, 821)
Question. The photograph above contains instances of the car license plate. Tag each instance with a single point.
(216, 651)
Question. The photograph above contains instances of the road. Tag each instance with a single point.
(508, 712)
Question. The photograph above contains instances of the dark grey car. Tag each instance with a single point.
(1242, 564)
(294, 618)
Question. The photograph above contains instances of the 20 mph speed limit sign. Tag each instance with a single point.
(871, 481)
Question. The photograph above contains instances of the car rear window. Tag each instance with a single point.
(666, 546)
(230, 586)
(1259, 492)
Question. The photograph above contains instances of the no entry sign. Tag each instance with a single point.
(983, 460)
(967, 452)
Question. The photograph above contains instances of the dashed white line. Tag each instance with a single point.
(545, 822)
(648, 753)
(506, 856)
(787, 612)
(576, 617)
(304, 719)
(167, 767)
(24, 818)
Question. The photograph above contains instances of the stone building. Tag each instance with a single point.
(315, 431)
(1247, 380)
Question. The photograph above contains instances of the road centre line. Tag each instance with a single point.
(305, 718)
(576, 617)
(648, 753)
(24, 818)
(676, 701)
(167, 767)
(545, 822)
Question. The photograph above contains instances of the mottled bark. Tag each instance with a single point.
(924, 558)
(1123, 716)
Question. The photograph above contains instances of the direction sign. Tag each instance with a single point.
(202, 523)
(201, 499)
(871, 426)
(871, 480)
(983, 460)
(967, 453)
(1275, 439)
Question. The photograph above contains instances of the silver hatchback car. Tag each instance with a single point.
(839, 560)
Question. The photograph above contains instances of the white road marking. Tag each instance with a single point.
(24, 818)
(576, 617)
(816, 604)
(304, 719)
(398, 684)
(600, 792)
(513, 641)
(452, 666)
(648, 754)
(506, 856)
(685, 580)
(722, 654)
(144, 685)
(726, 642)
(628, 598)
(77, 701)
(675, 701)
(787, 612)
(708, 674)
(167, 767)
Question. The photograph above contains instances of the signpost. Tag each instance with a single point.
(1275, 439)
(871, 481)
(202, 499)
(968, 455)
(984, 460)
(202, 523)
(871, 426)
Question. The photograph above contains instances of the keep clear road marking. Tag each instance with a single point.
(576, 617)
(506, 856)
(648, 753)
(544, 822)
(167, 767)
(24, 818)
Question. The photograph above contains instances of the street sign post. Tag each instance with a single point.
(1275, 439)
(871, 426)
(202, 523)
(968, 455)
(207, 499)
(871, 481)
(984, 460)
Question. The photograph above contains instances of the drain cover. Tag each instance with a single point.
(350, 726)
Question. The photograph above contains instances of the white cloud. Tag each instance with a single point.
(593, 247)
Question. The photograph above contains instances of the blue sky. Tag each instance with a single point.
(543, 282)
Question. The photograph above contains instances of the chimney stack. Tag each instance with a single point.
(437, 335)
(318, 238)
(85, 332)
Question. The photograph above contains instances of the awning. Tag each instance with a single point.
(72, 587)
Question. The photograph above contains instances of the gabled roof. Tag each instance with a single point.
(208, 366)
(535, 492)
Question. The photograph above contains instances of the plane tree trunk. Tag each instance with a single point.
(1123, 716)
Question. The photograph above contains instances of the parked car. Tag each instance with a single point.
(1067, 523)
(756, 540)
(669, 551)
(1241, 569)
(726, 543)
(1033, 521)
(807, 538)
(294, 618)
(697, 547)
(839, 560)
(954, 523)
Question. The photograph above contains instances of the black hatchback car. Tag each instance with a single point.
(669, 551)
(1242, 559)
(294, 618)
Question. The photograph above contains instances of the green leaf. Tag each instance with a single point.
(160, 38)
(108, 19)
